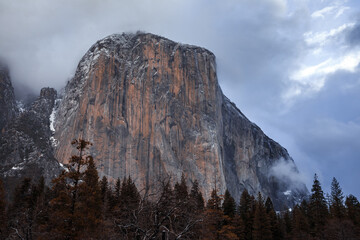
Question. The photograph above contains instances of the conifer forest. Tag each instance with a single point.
(80, 205)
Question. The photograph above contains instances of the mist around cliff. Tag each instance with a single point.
(286, 171)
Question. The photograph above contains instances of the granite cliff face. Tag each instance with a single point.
(25, 144)
(8, 108)
(153, 108)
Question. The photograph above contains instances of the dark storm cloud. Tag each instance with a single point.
(326, 130)
(43, 41)
(257, 62)
(353, 36)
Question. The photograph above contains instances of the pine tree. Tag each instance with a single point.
(181, 190)
(287, 223)
(41, 213)
(215, 201)
(194, 209)
(299, 223)
(239, 227)
(269, 205)
(228, 231)
(213, 221)
(60, 208)
(229, 205)
(67, 205)
(167, 196)
(117, 190)
(273, 219)
(104, 188)
(114, 197)
(353, 209)
(196, 198)
(261, 225)
(3, 217)
(88, 214)
(304, 207)
(318, 211)
(27, 208)
(337, 208)
(232, 226)
(129, 195)
(246, 211)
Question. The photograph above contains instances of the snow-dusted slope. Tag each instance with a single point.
(25, 146)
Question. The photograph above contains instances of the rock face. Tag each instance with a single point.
(153, 108)
(8, 108)
(25, 145)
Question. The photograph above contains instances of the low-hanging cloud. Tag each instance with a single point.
(287, 171)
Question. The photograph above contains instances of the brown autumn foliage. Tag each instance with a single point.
(81, 206)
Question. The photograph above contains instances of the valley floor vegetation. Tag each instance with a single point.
(79, 205)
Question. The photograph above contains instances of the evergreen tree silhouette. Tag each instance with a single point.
(261, 225)
(3, 215)
(181, 190)
(337, 209)
(229, 205)
(196, 198)
(246, 210)
(318, 211)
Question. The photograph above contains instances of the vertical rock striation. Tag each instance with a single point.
(8, 108)
(25, 145)
(153, 108)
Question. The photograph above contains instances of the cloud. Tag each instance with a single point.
(287, 171)
(335, 10)
(322, 12)
(320, 38)
(341, 11)
(329, 49)
(353, 35)
(325, 130)
(44, 41)
(311, 79)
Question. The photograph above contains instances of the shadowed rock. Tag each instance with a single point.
(25, 145)
(8, 108)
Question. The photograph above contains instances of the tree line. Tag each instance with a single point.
(79, 205)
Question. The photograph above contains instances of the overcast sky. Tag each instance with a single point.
(291, 66)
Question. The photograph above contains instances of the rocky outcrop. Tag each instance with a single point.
(153, 108)
(8, 108)
(25, 145)
(149, 106)
(252, 161)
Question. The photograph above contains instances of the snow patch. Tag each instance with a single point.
(52, 120)
(54, 141)
(287, 193)
(63, 167)
(20, 106)
(16, 168)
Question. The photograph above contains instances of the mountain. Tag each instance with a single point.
(153, 109)
(8, 108)
(25, 141)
